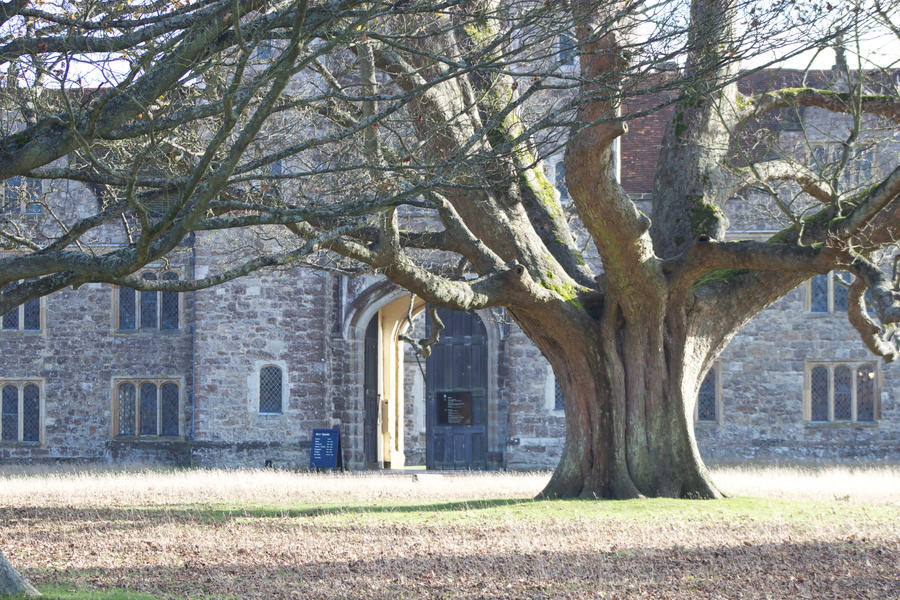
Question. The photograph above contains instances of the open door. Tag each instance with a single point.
(370, 396)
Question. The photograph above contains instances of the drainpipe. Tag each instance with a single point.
(192, 239)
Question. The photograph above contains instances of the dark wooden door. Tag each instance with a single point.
(456, 394)
(370, 395)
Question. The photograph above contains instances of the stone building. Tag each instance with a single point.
(240, 374)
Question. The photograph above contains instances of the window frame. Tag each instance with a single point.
(282, 395)
(829, 291)
(20, 384)
(716, 372)
(160, 296)
(831, 366)
(550, 387)
(20, 325)
(137, 382)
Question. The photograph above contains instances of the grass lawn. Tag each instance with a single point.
(222, 534)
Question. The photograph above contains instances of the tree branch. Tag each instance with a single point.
(884, 105)
(869, 331)
(781, 170)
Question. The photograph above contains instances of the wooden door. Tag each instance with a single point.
(370, 395)
(456, 394)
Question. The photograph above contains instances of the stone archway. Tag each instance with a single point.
(383, 394)
(375, 321)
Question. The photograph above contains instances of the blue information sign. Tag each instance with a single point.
(325, 451)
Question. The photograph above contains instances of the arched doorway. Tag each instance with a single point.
(456, 394)
(417, 419)
(383, 400)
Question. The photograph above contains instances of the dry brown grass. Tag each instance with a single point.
(869, 484)
(137, 486)
(194, 534)
(155, 487)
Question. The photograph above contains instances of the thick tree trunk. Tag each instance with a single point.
(11, 581)
(629, 391)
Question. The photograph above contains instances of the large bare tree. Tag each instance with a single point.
(407, 138)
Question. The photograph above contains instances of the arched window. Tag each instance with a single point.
(818, 294)
(148, 408)
(842, 393)
(835, 396)
(26, 317)
(22, 193)
(11, 319)
(169, 312)
(31, 413)
(155, 310)
(9, 414)
(169, 409)
(828, 292)
(559, 402)
(31, 315)
(20, 412)
(127, 309)
(566, 47)
(706, 398)
(126, 406)
(841, 287)
(819, 393)
(865, 393)
(270, 400)
(149, 302)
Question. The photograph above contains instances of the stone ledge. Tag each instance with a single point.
(251, 445)
(841, 424)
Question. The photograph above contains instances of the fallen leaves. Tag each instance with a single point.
(455, 550)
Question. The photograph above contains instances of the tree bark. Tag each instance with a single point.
(629, 387)
(11, 581)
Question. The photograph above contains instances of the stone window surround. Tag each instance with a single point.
(20, 383)
(716, 372)
(550, 393)
(253, 387)
(830, 290)
(21, 326)
(159, 271)
(158, 382)
(831, 365)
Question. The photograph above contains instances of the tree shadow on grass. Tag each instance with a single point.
(149, 514)
(815, 569)
(98, 521)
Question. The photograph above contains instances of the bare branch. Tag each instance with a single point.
(839, 102)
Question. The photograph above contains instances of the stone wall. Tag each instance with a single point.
(266, 319)
(77, 357)
(535, 430)
(763, 378)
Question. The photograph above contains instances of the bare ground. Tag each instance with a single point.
(281, 535)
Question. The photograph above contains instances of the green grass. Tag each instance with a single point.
(797, 512)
